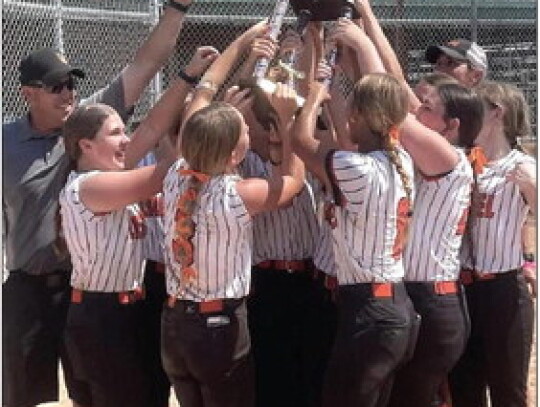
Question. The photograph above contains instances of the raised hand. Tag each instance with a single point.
(346, 32)
(263, 47)
(524, 175)
(291, 42)
(201, 60)
(283, 100)
(241, 99)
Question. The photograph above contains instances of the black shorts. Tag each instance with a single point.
(33, 321)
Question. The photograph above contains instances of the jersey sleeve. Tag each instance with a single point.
(73, 199)
(352, 172)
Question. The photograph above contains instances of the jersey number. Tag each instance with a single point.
(484, 205)
(402, 222)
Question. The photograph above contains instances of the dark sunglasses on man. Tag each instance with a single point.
(70, 83)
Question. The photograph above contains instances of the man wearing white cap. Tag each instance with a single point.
(462, 59)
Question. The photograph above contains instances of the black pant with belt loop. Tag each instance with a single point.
(152, 307)
(375, 336)
(104, 341)
(292, 328)
(498, 352)
(441, 341)
(207, 355)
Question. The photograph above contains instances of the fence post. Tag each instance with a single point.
(156, 87)
(59, 32)
(474, 20)
(399, 33)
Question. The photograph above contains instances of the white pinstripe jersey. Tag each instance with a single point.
(283, 234)
(153, 243)
(106, 249)
(366, 238)
(323, 258)
(222, 240)
(438, 223)
(496, 226)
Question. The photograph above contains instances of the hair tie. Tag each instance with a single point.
(478, 159)
(394, 133)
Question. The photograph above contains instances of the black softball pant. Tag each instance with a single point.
(152, 307)
(104, 341)
(498, 352)
(292, 322)
(208, 356)
(374, 337)
(34, 312)
(441, 341)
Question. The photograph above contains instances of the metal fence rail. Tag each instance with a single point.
(102, 36)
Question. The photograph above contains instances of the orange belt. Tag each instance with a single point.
(445, 287)
(124, 297)
(286, 265)
(382, 290)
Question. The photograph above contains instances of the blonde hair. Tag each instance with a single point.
(383, 104)
(516, 120)
(209, 138)
(437, 79)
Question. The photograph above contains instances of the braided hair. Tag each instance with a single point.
(383, 104)
(207, 142)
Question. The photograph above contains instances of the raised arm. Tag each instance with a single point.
(348, 33)
(287, 178)
(113, 190)
(154, 51)
(166, 113)
(430, 151)
(311, 151)
(387, 54)
(217, 73)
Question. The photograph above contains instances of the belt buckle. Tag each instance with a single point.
(288, 266)
(481, 275)
(190, 308)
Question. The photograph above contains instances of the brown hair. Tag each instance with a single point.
(262, 109)
(384, 104)
(516, 120)
(84, 123)
(209, 138)
(437, 79)
(461, 103)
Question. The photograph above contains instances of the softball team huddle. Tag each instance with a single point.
(360, 262)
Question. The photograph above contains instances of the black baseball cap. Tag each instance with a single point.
(46, 65)
(461, 50)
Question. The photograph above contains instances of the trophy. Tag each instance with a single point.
(347, 11)
(325, 10)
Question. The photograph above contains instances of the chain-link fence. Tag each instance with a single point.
(102, 36)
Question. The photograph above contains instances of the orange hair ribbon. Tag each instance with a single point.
(478, 159)
(393, 132)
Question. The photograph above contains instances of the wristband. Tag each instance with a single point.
(528, 257)
(529, 265)
(208, 85)
(192, 80)
(177, 6)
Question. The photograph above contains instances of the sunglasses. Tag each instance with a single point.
(69, 83)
